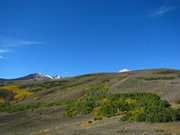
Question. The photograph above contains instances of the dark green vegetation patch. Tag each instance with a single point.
(167, 72)
(132, 106)
(7, 107)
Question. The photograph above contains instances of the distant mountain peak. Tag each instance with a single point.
(123, 70)
(38, 76)
(57, 77)
(35, 76)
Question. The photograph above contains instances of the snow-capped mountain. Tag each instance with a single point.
(56, 77)
(43, 76)
(35, 76)
(123, 70)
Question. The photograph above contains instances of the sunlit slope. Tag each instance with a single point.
(163, 82)
(84, 103)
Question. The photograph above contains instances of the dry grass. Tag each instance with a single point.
(175, 104)
(170, 127)
(41, 121)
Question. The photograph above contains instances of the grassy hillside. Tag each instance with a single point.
(146, 95)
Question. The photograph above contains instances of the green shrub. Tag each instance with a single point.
(108, 110)
(91, 99)
(146, 107)
(133, 106)
(90, 122)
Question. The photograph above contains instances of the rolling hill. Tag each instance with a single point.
(39, 105)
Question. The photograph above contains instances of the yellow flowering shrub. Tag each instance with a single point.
(130, 101)
(97, 111)
(2, 100)
(105, 101)
(20, 94)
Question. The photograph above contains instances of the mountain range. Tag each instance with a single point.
(34, 76)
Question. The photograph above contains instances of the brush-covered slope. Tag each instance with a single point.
(163, 82)
(35, 106)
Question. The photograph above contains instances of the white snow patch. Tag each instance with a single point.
(123, 70)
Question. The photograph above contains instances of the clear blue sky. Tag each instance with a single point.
(71, 37)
